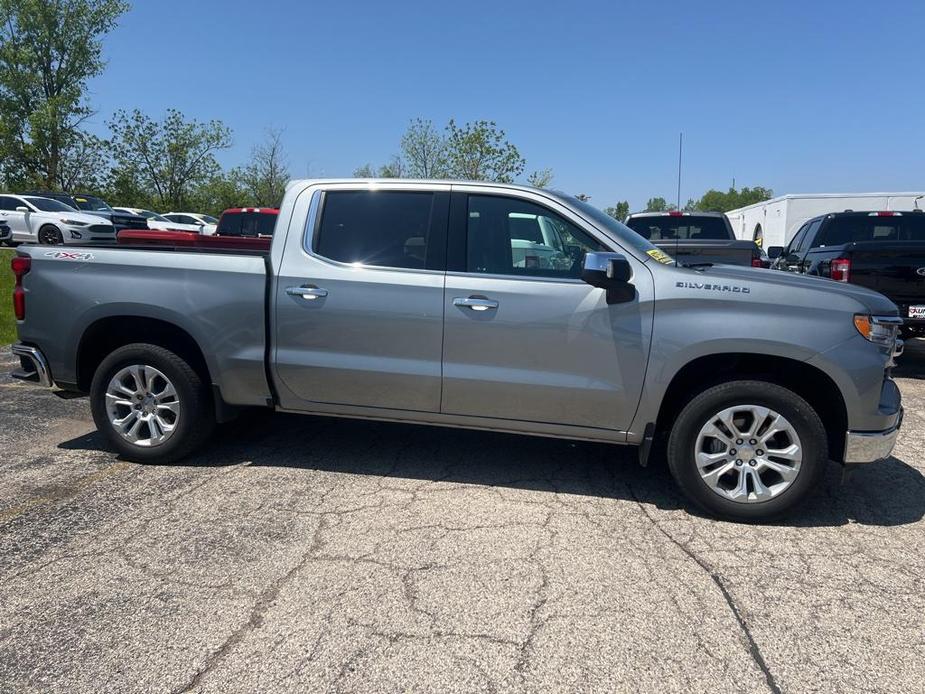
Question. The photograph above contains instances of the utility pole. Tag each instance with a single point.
(680, 149)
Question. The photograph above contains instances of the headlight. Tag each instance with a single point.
(880, 330)
(75, 223)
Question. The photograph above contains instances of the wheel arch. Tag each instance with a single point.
(809, 382)
(105, 335)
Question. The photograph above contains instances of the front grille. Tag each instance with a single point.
(129, 222)
(102, 229)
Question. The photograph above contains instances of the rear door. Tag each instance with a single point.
(17, 221)
(359, 300)
(526, 339)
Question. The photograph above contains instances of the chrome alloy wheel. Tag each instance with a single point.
(143, 406)
(748, 453)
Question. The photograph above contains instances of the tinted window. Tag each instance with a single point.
(808, 239)
(8, 203)
(384, 228)
(88, 202)
(683, 227)
(507, 236)
(247, 224)
(48, 205)
(842, 230)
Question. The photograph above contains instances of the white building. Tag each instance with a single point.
(774, 222)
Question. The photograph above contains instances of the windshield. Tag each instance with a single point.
(841, 230)
(208, 219)
(148, 214)
(623, 233)
(49, 205)
(88, 202)
(687, 227)
(247, 224)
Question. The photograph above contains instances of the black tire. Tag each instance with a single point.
(50, 235)
(805, 421)
(194, 423)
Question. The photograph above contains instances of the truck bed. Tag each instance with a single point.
(217, 296)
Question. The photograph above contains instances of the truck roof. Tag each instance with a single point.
(676, 213)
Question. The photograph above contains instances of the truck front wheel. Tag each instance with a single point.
(151, 404)
(747, 450)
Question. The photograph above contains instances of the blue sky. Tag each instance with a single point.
(800, 97)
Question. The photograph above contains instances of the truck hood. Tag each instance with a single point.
(875, 302)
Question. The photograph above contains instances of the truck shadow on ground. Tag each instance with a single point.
(889, 493)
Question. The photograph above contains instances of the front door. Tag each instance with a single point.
(359, 301)
(525, 339)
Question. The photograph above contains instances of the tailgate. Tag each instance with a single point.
(893, 268)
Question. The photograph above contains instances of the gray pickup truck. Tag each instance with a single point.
(696, 238)
(473, 305)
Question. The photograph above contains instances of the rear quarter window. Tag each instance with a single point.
(379, 228)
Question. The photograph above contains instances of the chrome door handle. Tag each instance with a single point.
(310, 293)
(475, 303)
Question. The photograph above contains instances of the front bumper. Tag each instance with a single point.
(871, 446)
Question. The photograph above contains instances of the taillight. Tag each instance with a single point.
(20, 266)
(757, 262)
(840, 270)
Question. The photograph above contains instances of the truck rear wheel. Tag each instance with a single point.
(747, 450)
(151, 404)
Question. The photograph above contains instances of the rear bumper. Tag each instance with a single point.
(871, 446)
(33, 365)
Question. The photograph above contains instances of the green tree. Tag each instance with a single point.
(540, 179)
(48, 52)
(267, 173)
(656, 205)
(479, 151)
(717, 201)
(424, 150)
(170, 157)
(223, 190)
(84, 163)
(619, 211)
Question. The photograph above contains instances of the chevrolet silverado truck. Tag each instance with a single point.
(475, 305)
(696, 238)
(883, 251)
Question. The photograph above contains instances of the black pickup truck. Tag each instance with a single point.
(883, 251)
(696, 238)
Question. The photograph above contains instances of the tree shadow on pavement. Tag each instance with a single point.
(888, 493)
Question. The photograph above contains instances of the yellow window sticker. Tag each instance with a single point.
(660, 256)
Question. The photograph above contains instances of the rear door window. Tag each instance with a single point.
(379, 227)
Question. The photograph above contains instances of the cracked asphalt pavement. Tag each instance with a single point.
(337, 555)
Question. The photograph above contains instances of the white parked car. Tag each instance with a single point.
(46, 221)
(162, 223)
(206, 221)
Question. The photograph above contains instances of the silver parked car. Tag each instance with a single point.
(475, 305)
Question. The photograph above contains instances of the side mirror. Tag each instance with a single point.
(23, 209)
(606, 270)
(775, 252)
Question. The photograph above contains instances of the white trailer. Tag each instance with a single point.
(774, 222)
